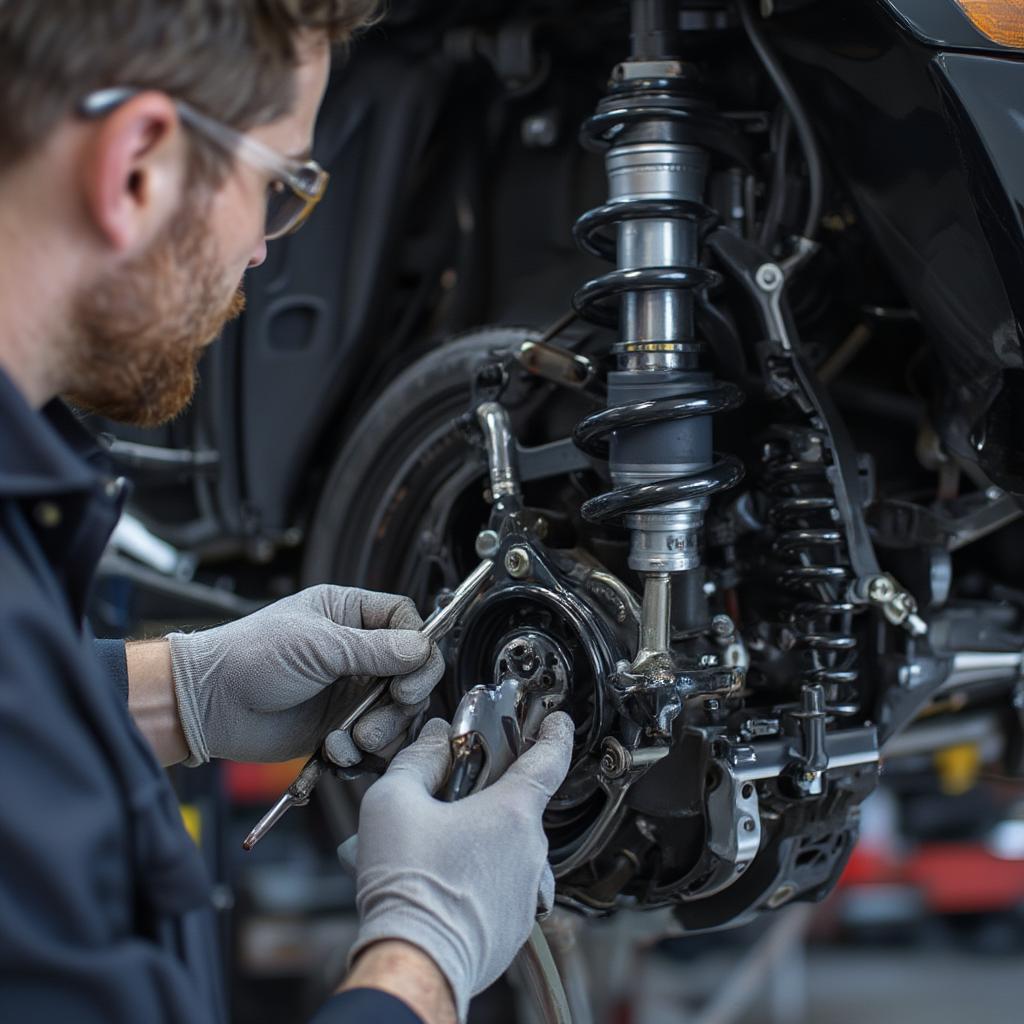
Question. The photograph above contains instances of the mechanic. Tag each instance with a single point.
(148, 148)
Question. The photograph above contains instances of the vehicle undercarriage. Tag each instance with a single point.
(735, 529)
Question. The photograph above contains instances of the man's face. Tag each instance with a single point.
(141, 330)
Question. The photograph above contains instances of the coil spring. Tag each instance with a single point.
(598, 299)
(592, 433)
(811, 544)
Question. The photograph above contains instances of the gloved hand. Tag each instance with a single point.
(260, 688)
(459, 880)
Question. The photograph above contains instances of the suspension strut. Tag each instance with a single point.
(658, 135)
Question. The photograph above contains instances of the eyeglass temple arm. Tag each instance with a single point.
(103, 101)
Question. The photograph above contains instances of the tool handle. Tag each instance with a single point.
(302, 786)
(304, 783)
(367, 701)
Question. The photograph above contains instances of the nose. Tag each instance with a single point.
(259, 254)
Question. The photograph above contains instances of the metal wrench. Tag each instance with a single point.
(437, 626)
(486, 723)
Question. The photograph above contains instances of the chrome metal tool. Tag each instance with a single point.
(439, 624)
(489, 730)
(494, 723)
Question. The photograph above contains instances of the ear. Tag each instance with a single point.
(134, 171)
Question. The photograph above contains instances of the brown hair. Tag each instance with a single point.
(232, 59)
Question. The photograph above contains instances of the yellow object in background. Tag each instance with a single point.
(1001, 20)
(193, 821)
(958, 768)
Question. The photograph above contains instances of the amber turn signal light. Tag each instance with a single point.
(1001, 20)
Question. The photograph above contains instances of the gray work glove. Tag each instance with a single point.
(458, 880)
(261, 688)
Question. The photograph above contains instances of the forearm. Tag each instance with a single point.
(151, 699)
(406, 972)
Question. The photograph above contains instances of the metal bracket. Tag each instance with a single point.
(895, 602)
(734, 824)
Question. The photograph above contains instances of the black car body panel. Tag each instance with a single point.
(931, 147)
(942, 23)
(321, 308)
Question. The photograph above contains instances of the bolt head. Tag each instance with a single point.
(783, 894)
(768, 277)
(881, 589)
(517, 562)
(539, 130)
(487, 543)
(614, 759)
(722, 625)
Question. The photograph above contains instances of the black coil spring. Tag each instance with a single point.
(598, 301)
(591, 434)
(811, 545)
(594, 232)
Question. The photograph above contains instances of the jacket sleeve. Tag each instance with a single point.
(71, 947)
(365, 1006)
(112, 657)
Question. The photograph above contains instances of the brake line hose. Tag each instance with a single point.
(801, 123)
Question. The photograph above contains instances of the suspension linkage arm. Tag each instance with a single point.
(765, 282)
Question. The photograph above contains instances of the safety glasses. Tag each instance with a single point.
(295, 188)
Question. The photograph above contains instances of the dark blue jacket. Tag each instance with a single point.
(105, 911)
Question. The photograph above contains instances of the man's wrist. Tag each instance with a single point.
(406, 972)
(151, 699)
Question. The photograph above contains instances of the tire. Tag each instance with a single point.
(404, 498)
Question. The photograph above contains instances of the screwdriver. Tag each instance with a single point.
(436, 626)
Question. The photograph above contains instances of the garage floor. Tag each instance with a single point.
(913, 987)
(845, 986)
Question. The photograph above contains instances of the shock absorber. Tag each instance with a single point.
(811, 546)
(658, 135)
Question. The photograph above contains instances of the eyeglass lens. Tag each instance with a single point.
(284, 209)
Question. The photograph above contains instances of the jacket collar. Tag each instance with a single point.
(42, 453)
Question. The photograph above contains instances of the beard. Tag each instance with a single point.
(139, 333)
